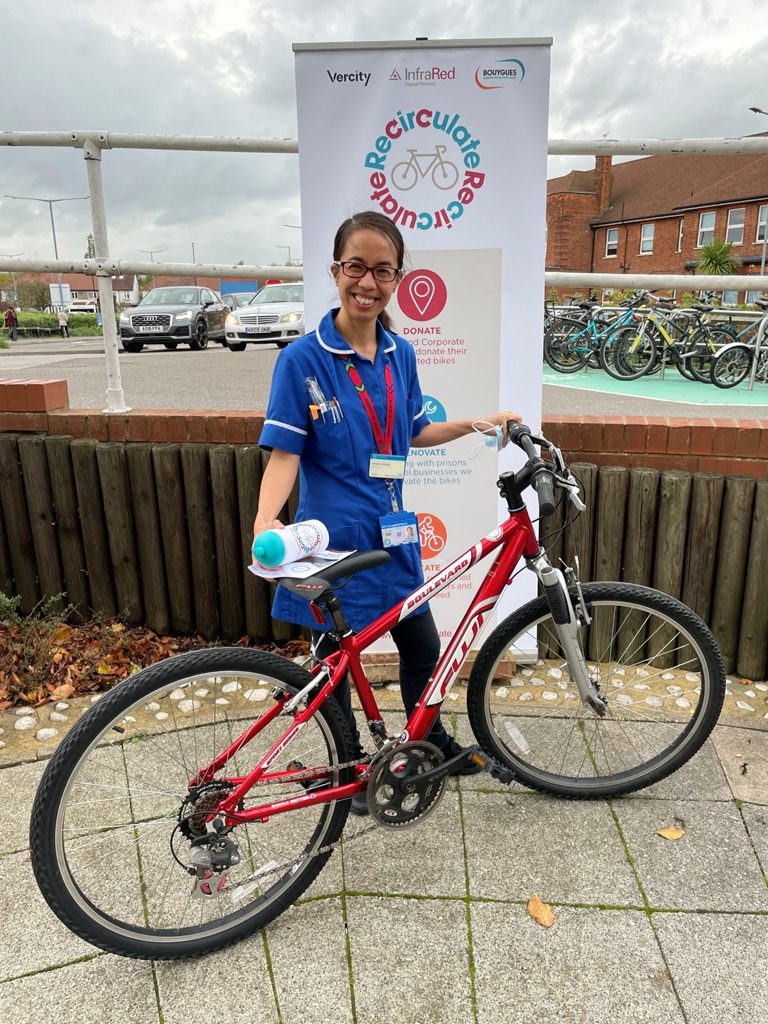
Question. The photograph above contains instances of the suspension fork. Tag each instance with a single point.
(567, 622)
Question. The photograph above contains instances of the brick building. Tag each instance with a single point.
(652, 215)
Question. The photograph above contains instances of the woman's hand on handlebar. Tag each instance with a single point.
(504, 419)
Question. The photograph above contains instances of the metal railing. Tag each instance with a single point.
(104, 268)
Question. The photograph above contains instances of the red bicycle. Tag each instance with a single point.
(199, 799)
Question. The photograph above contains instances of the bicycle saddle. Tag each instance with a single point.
(702, 307)
(762, 303)
(313, 587)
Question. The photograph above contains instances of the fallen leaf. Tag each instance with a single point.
(60, 635)
(672, 834)
(105, 669)
(63, 692)
(540, 912)
(117, 627)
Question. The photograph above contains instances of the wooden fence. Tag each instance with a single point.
(160, 534)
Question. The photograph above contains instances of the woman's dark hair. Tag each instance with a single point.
(374, 222)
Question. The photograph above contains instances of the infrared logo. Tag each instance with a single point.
(422, 295)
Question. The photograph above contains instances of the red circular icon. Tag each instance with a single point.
(433, 535)
(422, 295)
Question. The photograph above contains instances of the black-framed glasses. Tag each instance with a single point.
(357, 270)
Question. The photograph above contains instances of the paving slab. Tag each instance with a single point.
(712, 867)
(17, 792)
(743, 754)
(596, 966)
(422, 860)
(566, 851)
(311, 938)
(756, 819)
(717, 962)
(232, 985)
(33, 938)
(409, 959)
(105, 990)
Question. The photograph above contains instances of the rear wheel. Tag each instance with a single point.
(171, 345)
(283, 344)
(132, 346)
(730, 366)
(567, 345)
(655, 664)
(236, 346)
(119, 824)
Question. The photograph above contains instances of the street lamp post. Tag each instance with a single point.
(151, 253)
(39, 199)
(757, 110)
(289, 252)
(12, 256)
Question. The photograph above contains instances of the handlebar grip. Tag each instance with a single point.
(543, 484)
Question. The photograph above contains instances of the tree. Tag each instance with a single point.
(33, 294)
(716, 258)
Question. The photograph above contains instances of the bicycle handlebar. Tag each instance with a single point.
(542, 477)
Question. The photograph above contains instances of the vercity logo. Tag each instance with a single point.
(495, 76)
(351, 77)
(422, 168)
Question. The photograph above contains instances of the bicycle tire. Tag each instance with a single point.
(634, 353)
(537, 725)
(559, 345)
(731, 365)
(106, 817)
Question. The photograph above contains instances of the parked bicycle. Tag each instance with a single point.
(573, 341)
(733, 362)
(174, 818)
(666, 334)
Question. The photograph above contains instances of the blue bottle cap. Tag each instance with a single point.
(269, 549)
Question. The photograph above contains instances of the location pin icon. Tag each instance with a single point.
(421, 290)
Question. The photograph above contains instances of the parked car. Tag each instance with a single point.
(174, 315)
(235, 299)
(274, 314)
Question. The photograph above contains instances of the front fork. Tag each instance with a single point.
(568, 619)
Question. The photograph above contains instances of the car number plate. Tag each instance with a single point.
(152, 330)
(265, 329)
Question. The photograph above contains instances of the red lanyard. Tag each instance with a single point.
(383, 438)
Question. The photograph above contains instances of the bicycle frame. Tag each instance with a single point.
(514, 539)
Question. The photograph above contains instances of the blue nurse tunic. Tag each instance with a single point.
(335, 455)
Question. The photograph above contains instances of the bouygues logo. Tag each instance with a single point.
(433, 534)
(424, 168)
(422, 295)
(501, 73)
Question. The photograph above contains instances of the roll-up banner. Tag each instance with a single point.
(449, 140)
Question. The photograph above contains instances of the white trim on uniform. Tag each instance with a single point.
(285, 426)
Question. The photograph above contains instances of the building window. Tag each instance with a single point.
(646, 239)
(730, 298)
(706, 229)
(761, 219)
(680, 236)
(735, 230)
(612, 242)
(751, 297)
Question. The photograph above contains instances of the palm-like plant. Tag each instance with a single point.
(716, 257)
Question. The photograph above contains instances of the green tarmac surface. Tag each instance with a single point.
(673, 388)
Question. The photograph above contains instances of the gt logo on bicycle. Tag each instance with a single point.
(436, 164)
(433, 534)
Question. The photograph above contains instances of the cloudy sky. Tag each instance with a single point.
(626, 69)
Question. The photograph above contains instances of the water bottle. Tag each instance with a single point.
(291, 544)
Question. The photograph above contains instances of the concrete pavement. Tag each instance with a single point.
(430, 924)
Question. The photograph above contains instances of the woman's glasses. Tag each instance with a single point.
(356, 270)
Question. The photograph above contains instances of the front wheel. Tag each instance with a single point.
(121, 815)
(634, 353)
(199, 339)
(655, 664)
(567, 345)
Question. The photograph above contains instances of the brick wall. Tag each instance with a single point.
(694, 445)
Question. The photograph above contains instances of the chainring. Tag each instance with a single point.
(396, 797)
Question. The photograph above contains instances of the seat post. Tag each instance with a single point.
(333, 606)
